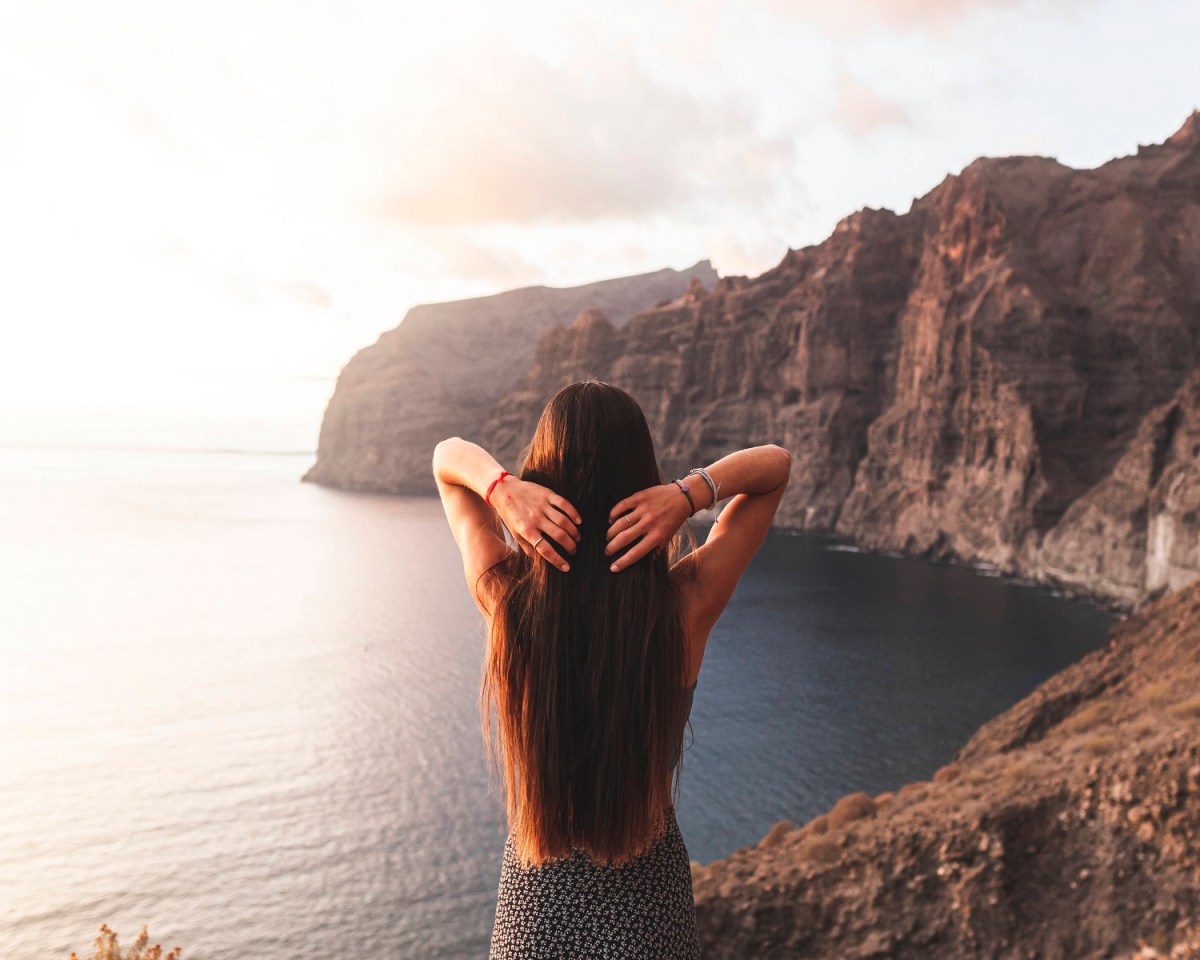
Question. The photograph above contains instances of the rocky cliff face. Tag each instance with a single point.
(1068, 828)
(439, 372)
(999, 375)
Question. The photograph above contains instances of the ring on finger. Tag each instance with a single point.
(629, 520)
(537, 541)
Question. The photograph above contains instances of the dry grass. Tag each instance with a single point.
(1018, 768)
(1185, 709)
(1159, 693)
(912, 792)
(977, 775)
(1091, 715)
(1100, 744)
(107, 948)
(1145, 726)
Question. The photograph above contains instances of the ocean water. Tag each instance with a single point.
(242, 710)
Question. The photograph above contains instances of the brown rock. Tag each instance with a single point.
(439, 373)
(1006, 374)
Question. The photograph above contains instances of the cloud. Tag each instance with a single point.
(894, 13)
(482, 263)
(595, 138)
(255, 290)
(861, 111)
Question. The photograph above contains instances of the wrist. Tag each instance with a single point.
(689, 499)
(704, 489)
(497, 485)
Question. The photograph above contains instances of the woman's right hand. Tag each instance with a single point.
(532, 513)
(654, 514)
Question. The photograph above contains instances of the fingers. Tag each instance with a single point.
(563, 522)
(640, 532)
(565, 506)
(558, 527)
(638, 550)
(621, 533)
(621, 506)
(548, 553)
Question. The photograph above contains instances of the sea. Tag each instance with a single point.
(242, 710)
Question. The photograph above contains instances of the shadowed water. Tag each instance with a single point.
(243, 710)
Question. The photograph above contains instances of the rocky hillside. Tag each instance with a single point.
(1005, 374)
(440, 371)
(1068, 828)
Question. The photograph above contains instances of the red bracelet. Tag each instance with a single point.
(488, 499)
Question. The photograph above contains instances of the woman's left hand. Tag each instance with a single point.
(532, 513)
(645, 521)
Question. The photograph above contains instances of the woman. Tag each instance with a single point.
(596, 631)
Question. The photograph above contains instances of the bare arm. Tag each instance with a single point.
(756, 478)
(655, 513)
(464, 471)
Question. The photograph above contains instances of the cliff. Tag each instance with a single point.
(1068, 828)
(1005, 374)
(439, 372)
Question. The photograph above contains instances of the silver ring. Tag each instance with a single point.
(537, 541)
(630, 519)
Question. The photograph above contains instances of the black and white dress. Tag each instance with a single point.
(574, 908)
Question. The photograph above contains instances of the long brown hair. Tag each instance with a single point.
(586, 669)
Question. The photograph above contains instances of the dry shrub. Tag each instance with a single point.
(817, 825)
(776, 834)
(1159, 693)
(885, 797)
(1145, 726)
(1100, 744)
(977, 775)
(107, 948)
(820, 850)
(950, 771)
(913, 791)
(853, 806)
(1091, 715)
(1018, 768)
(1185, 709)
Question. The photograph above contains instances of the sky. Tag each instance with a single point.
(207, 207)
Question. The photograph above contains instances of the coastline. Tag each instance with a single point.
(1067, 826)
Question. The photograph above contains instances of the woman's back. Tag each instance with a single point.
(593, 658)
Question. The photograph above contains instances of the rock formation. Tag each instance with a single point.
(1005, 374)
(999, 375)
(1067, 828)
(439, 372)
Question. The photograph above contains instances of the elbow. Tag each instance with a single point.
(785, 463)
(439, 452)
